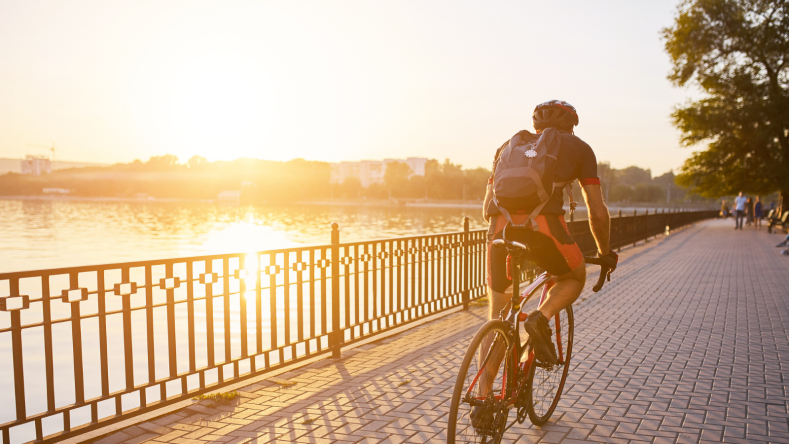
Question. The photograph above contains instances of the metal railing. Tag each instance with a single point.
(88, 346)
(626, 230)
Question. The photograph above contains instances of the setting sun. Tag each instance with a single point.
(328, 81)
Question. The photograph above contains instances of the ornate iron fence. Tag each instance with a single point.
(88, 346)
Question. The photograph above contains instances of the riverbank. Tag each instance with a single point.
(391, 203)
(66, 198)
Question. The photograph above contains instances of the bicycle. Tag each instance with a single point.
(529, 386)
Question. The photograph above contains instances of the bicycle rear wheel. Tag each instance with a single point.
(487, 351)
(544, 384)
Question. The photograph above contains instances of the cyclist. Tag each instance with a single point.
(551, 247)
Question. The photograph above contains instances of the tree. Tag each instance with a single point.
(351, 187)
(607, 177)
(396, 176)
(633, 176)
(737, 53)
(162, 163)
(433, 178)
(476, 183)
(195, 162)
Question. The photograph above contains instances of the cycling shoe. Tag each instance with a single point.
(480, 418)
(540, 333)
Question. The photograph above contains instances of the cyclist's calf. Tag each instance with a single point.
(566, 290)
(497, 301)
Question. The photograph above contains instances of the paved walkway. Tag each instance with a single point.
(688, 343)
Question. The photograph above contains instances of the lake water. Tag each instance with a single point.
(41, 234)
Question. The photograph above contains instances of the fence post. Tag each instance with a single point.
(335, 339)
(635, 228)
(657, 223)
(619, 231)
(466, 259)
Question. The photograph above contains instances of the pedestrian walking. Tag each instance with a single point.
(749, 212)
(724, 210)
(739, 208)
(757, 213)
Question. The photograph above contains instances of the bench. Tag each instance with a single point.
(773, 220)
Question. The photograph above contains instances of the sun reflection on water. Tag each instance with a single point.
(240, 236)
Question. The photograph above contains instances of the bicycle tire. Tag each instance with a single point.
(459, 428)
(543, 397)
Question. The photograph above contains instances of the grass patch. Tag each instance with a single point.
(217, 398)
(284, 383)
(404, 382)
(308, 420)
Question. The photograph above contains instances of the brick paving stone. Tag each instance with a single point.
(686, 344)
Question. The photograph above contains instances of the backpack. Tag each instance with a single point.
(524, 171)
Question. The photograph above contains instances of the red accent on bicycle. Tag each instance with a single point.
(499, 372)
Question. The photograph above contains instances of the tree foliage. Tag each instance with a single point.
(396, 176)
(736, 52)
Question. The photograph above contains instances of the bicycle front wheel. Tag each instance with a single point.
(544, 384)
(478, 412)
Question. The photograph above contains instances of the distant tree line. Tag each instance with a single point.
(164, 177)
(300, 180)
(445, 181)
(634, 184)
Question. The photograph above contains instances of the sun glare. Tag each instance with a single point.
(210, 102)
(248, 237)
(236, 92)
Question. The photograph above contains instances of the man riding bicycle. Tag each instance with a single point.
(539, 223)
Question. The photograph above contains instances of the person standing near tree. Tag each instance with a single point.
(724, 210)
(749, 212)
(757, 213)
(739, 208)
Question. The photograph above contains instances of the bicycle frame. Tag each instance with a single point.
(510, 389)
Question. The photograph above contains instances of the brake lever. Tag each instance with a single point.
(605, 272)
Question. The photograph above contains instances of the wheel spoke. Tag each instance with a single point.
(479, 381)
(547, 382)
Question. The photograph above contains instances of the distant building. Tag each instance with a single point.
(15, 165)
(36, 165)
(372, 171)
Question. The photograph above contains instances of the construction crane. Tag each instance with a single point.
(51, 148)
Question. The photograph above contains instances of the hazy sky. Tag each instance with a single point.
(112, 81)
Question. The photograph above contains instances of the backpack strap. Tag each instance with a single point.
(535, 212)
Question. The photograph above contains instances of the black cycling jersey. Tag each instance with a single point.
(576, 161)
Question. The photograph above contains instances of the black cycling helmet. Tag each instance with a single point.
(554, 113)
